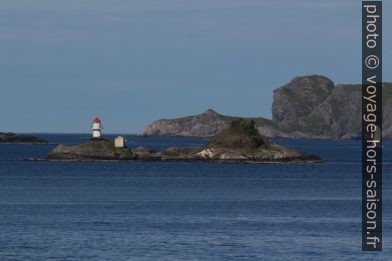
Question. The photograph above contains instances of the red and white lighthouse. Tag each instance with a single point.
(97, 128)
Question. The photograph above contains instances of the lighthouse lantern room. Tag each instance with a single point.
(97, 128)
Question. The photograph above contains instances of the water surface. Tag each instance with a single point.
(185, 211)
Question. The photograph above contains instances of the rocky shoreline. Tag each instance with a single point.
(13, 138)
(240, 143)
(272, 154)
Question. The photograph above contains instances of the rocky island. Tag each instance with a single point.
(308, 107)
(13, 138)
(241, 142)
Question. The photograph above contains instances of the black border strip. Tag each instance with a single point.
(372, 126)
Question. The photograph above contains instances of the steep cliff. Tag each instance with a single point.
(312, 107)
(295, 101)
(307, 107)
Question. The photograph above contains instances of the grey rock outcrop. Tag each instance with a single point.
(312, 107)
(203, 125)
(293, 102)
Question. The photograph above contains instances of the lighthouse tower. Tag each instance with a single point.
(97, 128)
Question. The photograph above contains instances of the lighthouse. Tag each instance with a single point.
(97, 128)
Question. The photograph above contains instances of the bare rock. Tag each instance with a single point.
(93, 150)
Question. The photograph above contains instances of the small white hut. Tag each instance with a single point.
(119, 142)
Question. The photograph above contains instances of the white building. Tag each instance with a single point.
(97, 128)
(119, 142)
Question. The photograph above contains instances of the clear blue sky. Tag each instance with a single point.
(62, 62)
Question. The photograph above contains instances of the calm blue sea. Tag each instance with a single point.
(186, 211)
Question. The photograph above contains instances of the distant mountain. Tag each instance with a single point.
(206, 124)
(9, 137)
(307, 107)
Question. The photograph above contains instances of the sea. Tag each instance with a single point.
(186, 211)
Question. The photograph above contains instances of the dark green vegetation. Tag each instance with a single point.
(258, 121)
(242, 134)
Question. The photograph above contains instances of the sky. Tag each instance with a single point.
(63, 62)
